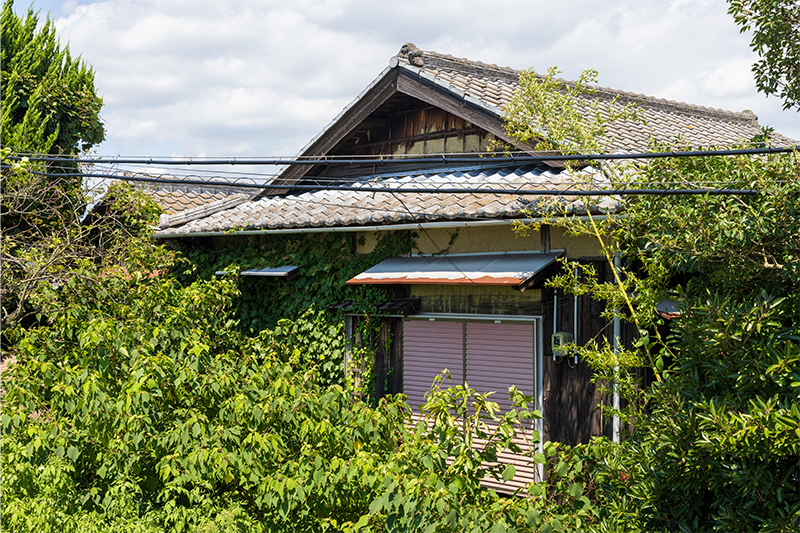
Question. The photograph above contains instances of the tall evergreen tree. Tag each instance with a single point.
(49, 106)
(49, 100)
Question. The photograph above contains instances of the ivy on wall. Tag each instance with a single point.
(326, 261)
(295, 309)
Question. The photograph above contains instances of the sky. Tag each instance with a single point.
(261, 77)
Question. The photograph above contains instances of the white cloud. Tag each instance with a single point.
(253, 77)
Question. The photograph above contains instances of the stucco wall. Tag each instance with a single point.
(491, 239)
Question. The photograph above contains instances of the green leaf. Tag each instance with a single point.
(532, 517)
(452, 519)
(499, 527)
(509, 472)
(363, 521)
(73, 453)
(376, 505)
(575, 490)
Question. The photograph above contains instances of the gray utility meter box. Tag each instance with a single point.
(559, 342)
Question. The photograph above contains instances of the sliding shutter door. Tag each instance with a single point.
(495, 355)
(428, 348)
(498, 356)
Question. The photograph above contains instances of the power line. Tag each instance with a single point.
(489, 159)
(420, 190)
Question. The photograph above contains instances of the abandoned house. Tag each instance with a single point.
(481, 309)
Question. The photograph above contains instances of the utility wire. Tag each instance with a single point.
(435, 246)
(176, 179)
(415, 190)
(489, 159)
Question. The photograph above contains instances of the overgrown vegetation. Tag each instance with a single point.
(712, 442)
(149, 394)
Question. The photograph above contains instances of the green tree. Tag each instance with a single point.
(49, 105)
(49, 101)
(713, 439)
(776, 39)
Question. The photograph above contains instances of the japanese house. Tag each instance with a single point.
(481, 309)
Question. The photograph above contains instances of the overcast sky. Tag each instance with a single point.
(262, 77)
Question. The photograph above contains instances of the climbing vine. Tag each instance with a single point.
(308, 310)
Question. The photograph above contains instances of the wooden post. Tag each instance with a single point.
(544, 235)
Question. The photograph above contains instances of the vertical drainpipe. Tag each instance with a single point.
(555, 316)
(575, 321)
(617, 330)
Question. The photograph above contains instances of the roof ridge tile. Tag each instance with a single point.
(422, 61)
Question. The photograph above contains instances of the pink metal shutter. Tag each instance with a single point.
(500, 355)
(497, 356)
(428, 348)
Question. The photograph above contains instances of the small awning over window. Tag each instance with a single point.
(520, 270)
(287, 271)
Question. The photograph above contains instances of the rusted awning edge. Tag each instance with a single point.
(484, 280)
(518, 270)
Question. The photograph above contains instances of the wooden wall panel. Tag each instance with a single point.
(572, 403)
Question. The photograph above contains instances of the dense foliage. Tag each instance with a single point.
(49, 106)
(775, 26)
(148, 394)
(713, 423)
(143, 404)
(49, 101)
(719, 437)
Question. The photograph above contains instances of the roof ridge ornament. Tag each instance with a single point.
(414, 55)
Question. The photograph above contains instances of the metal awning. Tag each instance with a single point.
(286, 271)
(520, 270)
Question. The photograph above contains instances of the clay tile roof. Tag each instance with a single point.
(337, 207)
(177, 199)
(493, 86)
(489, 87)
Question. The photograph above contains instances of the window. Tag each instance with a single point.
(489, 353)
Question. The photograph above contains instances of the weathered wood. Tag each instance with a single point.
(427, 91)
(544, 237)
(396, 356)
(572, 403)
(480, 304)
(383, 350)
(419, 137)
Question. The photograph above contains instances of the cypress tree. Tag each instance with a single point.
(49, 101)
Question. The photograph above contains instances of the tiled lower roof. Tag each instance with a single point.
(340, 207)
(172, 202)
(176, 197)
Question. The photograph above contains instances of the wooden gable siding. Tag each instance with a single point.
(411, 126)
(405, 126)
(366, 114)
